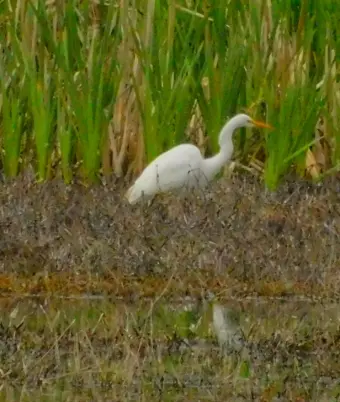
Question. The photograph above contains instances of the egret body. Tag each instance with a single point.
(184, 166)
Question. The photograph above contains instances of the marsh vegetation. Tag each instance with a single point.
(104, 301)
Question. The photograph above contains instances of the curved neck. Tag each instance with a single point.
(214, 164)
(225, 137)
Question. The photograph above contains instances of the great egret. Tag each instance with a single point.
(184, 165)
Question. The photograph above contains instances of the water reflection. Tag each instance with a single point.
(154, 345)
(227, 328)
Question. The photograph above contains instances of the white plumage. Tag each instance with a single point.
(184, 166)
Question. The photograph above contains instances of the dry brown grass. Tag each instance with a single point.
(235, 233)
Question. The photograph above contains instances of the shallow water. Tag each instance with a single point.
(82, 348)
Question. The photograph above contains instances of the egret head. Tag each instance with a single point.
(238, 121)
(244, 120)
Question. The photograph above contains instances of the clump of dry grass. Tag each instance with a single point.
(235, 234)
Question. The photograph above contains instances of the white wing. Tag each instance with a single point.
(176, 168)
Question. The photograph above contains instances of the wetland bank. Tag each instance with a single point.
(101, 300)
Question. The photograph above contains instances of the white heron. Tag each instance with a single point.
(184, 166)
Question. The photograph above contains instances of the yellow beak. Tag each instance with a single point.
(258, 123)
